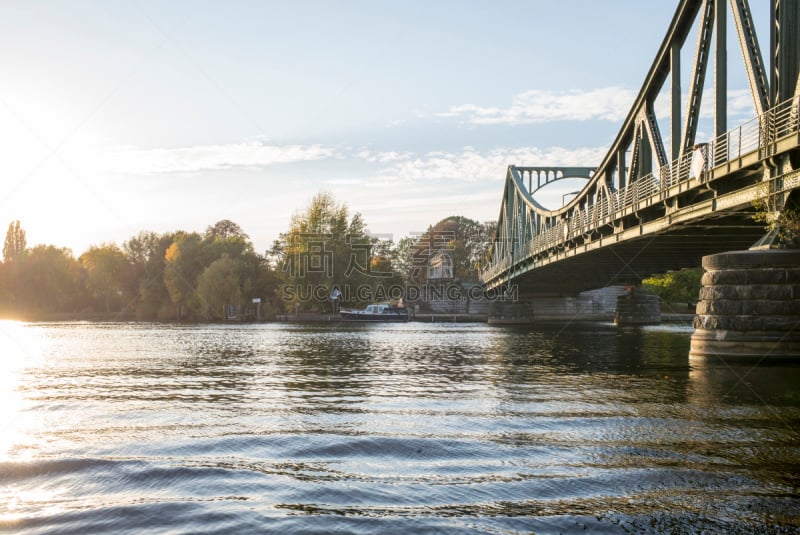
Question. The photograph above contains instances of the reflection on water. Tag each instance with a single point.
(389, 428)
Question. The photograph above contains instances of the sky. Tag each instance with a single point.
(123, 116)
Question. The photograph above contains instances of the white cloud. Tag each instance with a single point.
(471, 165)
(248, 154)
(537, 106)
(603, 104)
(382, 156)
(466, 165)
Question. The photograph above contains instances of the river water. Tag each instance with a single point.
(400, 428)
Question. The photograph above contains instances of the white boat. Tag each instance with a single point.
(376, 312)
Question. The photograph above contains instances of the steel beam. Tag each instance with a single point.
(720, 69)
(785, 49)
(678, 31)
(751, 53)
(701, 54)
(675, 99)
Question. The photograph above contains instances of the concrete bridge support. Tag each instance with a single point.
(593, 305)
(637, 307)
(517, 312)
(749, 305)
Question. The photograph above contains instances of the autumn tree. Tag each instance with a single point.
(15, 242)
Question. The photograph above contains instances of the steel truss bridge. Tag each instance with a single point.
(642, 212)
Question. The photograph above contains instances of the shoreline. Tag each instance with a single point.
(96, 317)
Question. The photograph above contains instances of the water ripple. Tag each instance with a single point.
(131, 428)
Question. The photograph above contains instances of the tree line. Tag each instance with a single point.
(191, 276)
(151, 276)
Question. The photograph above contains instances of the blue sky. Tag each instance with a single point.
(117, 117)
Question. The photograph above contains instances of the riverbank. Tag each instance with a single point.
(303, 317)
(34, 317)
(420, 317)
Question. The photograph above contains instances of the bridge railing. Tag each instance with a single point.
(784, 119)
(756, 134)
(750, 137)
(734, 144)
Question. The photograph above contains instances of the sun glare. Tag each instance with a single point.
(19, 349)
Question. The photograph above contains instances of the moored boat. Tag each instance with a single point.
(376, 312)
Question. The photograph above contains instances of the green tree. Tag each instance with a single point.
(676, 286)
(465, 240)
(141, 248)
(106, 269)
(260, 280)
(146, 255)
(403, 257)
(184, 263)
(49, 280)
(215, 246)
(150, 273)
(15, 242)
(225, 229)
(226, 239)
(219, 285)
(324, 248)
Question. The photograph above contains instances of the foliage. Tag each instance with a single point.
(782, 221)
(676, 286)
(45, 279)
(403, 257)
(465, 240)
(190, 256)
(225, 229)
(183, 266)
(219, 285)
(151, 276)
(15, 242)
(145, 282)
(105, 266)
(188, 275)
(325, 248)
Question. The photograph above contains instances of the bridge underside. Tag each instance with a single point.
(630, 261)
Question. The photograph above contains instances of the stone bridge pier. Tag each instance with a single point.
(749, 305)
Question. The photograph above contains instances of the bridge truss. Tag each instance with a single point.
(642, 212)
